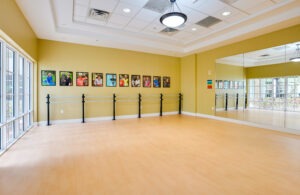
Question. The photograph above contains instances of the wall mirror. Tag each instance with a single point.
(261, 87)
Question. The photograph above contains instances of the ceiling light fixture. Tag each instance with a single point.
(297, 58)
(126, 10)
(227, 13)
(194, 29)
(173, 19)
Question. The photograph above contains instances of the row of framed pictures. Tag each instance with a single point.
(48, 78)
(226, 84)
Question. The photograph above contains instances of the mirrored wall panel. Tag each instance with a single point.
(261, 86)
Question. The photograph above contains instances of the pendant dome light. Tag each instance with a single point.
(173, 19)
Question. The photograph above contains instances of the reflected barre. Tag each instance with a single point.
(114, 99)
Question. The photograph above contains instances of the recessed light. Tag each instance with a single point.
(194, 29)
(227, 13)
(126, 10)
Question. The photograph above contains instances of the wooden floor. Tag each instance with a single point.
(167, 155)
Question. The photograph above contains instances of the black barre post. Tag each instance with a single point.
(83, 101)
(246, 101)
(114, 106)
(237, 102)
(180, 98)
(48, 109)
(226, 101)
(140, 101)
(161, 106)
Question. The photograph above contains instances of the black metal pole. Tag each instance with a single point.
(226, 101)
(48, 109)
(237, 102)
(180, 99)
(246, 101)
(83, 101)
(140, 101)
(161, 105)
(114, 106)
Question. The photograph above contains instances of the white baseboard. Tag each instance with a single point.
(68, 121)
(189, 113)
(274, 128)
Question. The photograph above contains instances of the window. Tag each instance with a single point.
(16, 95)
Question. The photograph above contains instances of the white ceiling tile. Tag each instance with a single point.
(104, 4)
(133, 9)
(147, 15)
(137, 24)
(79, 18)
(246, 4)
(211, 6)
(119, 19)
(139, 3)
(261, 6)
(155, 26)
(191, 3)
(81, 10)
(82, 2)
(234, 16)
(93, 21)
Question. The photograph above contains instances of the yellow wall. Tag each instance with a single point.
(79, 58)
(276, 70)
(188, 83)
(14, 24)
(205, 63)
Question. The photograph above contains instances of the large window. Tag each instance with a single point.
(281, 93)
(16, 95)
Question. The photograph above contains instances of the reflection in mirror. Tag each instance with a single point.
(271, 94)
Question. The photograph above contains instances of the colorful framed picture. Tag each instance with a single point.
(135, 80)
(111, 80)
(166, 82)
(97, 79)
(66, 78)
(123, 80)
(156, 81)
(48, 77)
(82, 79)
(147, 81)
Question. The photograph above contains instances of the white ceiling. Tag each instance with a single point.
(268, 56)
(140, 30)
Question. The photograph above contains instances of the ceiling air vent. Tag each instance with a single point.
(99, 14)
(169, 31)
(208, 21)
(159, 6)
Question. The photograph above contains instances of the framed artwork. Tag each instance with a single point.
(147, 81)
(166, 82)
(135, 80)
(123, 80)
(48, 77)
(66, 78)
(82, 79)
(111, 80)
(156, 81)
(97, 79)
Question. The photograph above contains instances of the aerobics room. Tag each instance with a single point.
(149, 97)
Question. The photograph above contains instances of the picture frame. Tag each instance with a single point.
(82, 79)
(135, 80)
(147, 81)
(97, 79)
(156, 81)
(48, 78)
(111, 80)
(123, 80)
(65, 78)
(166, 82)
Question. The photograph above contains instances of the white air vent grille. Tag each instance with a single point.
(208, 21)
(159, 6)
(99, 14)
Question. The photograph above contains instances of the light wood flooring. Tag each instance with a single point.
(162, 155)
